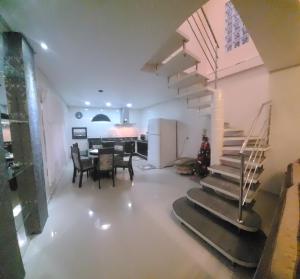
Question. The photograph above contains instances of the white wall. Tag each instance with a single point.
(285, 130)
(102, 129)
(54, 132)
(243, 95)
(190, 124)
(246, 56)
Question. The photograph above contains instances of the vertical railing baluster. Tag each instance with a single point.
(216, 68)
(240, 214)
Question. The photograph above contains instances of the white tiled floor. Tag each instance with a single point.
(122, 232)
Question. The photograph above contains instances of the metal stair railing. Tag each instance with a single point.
(249, 170)
(206, 39)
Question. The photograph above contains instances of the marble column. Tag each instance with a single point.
(22, 103)
(11, 265)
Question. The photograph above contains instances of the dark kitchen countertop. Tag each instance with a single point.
(142, 141)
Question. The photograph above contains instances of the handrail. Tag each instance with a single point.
(248, 171)
(209, 50)
(253, 126)
(208, 60)
(213, 46)
(209, 26)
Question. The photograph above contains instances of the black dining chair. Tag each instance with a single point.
(125, 162)
(106, 163)
(80, 165)
(119, 151)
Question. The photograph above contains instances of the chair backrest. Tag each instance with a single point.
(76, 156)
(129, 147)
(72, 155)
(93, 142)
(76, 145)
(97, 146)
(119, 148)
(107, 144)
(106, 159)
(130, 158)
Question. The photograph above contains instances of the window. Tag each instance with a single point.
(235, 30)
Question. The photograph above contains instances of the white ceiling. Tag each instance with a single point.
(274, 27)
(99, 44)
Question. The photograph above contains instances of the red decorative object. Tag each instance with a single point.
(203, 158)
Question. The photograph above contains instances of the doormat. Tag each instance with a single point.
(146, 167)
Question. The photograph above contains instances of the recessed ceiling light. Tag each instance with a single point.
(129, 105)
(91, 213)
(108, 104)
(87, 103)
(105, 227)
(44, 46)
(100, 90)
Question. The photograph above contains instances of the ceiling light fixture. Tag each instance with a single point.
(91, 213)
(129, 105)
(44, 46)
(87, 103)
(105, 227)
(101, 118)
(108, 104)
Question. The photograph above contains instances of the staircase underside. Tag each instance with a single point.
(178, 63)
(239, 247)
(183, 80)
(225, 209)
(174, 42)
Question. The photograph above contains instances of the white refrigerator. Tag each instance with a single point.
(162, 142)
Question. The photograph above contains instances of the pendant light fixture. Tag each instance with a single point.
(101, 118)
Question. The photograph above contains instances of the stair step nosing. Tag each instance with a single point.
(238, 148)
(232, 130)
(220, 190)
(232, 259)
(255, 180)
(238, 138)
(224, 158)
(223, 217)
